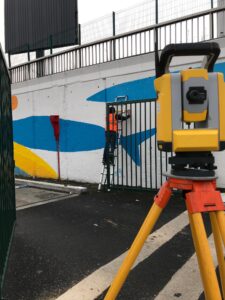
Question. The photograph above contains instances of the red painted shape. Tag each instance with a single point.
(55, 124)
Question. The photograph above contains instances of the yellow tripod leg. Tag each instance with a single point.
(221, 223)
(219, 249)
(205, 261)
(136, 247)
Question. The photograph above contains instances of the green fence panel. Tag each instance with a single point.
(7, 183)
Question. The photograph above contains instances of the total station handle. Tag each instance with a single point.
(210, 50)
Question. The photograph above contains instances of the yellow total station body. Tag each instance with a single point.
(191, 110)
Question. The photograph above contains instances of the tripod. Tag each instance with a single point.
(200, 196)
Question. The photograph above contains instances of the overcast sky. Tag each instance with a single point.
(88, 10)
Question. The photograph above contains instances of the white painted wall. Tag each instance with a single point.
(66, 94)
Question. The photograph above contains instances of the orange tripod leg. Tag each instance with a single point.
(160, 202)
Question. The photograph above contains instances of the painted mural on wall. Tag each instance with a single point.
(36, 132)
(80, 132)
(90, 137)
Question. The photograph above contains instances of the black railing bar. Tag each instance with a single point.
(140, 30)
(121, 134)
(33, 63)
(117, 149)
(131, 145)
(17, 67)
(145, 124)
(126, 151)
(130, 101)
(150, 145)
(140, 129)
(135, 139)
(156, 148)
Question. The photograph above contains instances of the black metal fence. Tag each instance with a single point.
(193, 28)
(7, 185)
(137, 162)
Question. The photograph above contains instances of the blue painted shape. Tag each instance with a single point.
(20, 172)
(37, 133)
(141, 89)
(132, 142)
(134, 90)
(220, 68)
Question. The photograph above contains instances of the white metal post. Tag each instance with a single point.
(221, 19)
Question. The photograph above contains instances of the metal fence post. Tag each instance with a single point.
(50, 44)
(51, 52)
(220, 20)
(9, 60)
(40, 63)
(156, 22)
(107, 149)
(79, 34)
(114, 23)
(28, 53)
(156, 32)
(211, 23)
(79, 43)
(156, 11)
(28, 57)
(114, 34)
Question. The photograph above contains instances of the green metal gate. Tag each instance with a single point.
(7, 183)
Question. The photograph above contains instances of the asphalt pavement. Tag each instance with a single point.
(71, 248)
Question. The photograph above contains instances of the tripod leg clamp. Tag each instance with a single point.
(163, 196)
(204, 198)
